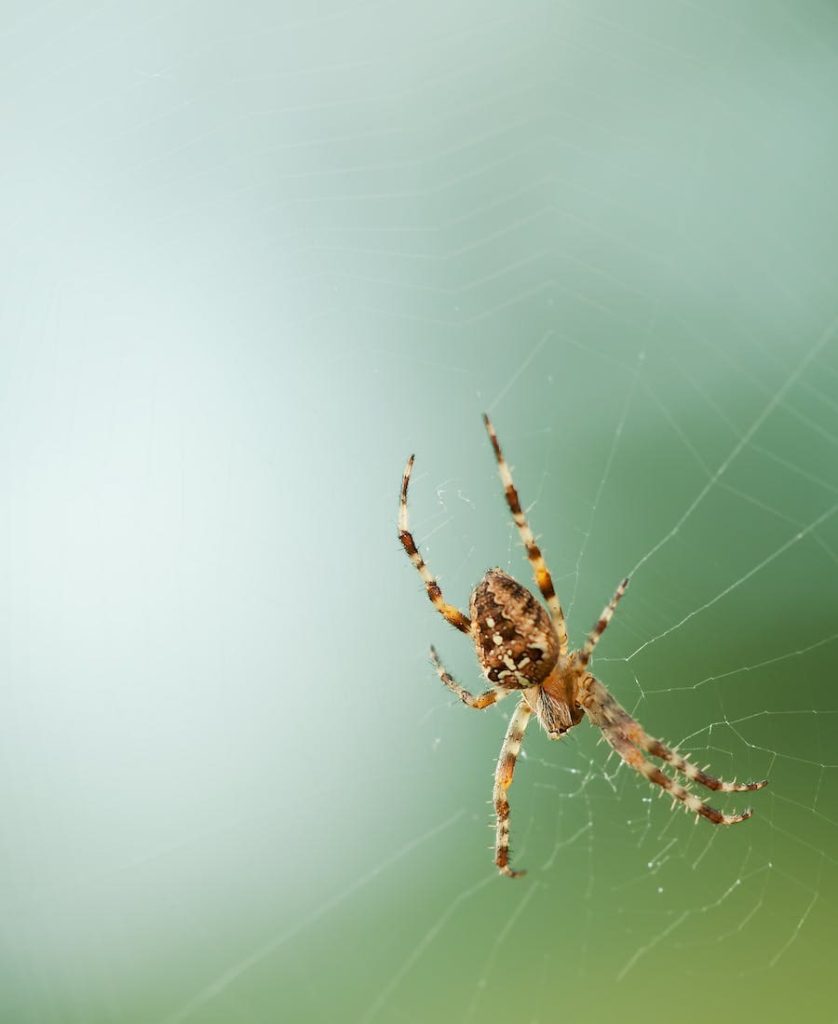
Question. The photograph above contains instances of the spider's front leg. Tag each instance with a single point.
(503, 780)
(635, 759)
(624, 734)
(616, 716)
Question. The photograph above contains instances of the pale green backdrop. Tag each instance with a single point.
(254, 255)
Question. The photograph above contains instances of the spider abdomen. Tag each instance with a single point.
(515, 641)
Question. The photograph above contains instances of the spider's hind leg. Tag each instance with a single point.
(539, 567)
(451, 614)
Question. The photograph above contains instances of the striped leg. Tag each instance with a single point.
(484, 700)
(687, 768)
(447, 611)
(539, 568)
(616, 717)
(503, 780)
(584, 655)
(635, 759)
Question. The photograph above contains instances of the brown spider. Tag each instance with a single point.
(520, 648)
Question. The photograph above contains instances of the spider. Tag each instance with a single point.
(522, 649)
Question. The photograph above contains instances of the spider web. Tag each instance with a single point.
(275, 250)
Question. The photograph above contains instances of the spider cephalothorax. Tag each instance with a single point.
(520, 647)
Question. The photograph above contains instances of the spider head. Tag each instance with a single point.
(556, 701)
(515, 641)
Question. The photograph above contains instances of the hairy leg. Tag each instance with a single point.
(503, 780)
(447, 611)
(539, 567)
(587, 649)
(635, 759)
(484, 700)
(616, 716)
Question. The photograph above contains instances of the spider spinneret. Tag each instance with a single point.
(522, 648)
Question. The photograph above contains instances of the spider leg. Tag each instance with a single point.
(618, 718)
(503, 780)
(539, 567)
(635, 759)
(584, 655)
(484, 700)
(447, 611)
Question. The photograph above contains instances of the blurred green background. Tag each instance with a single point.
(255, 255)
